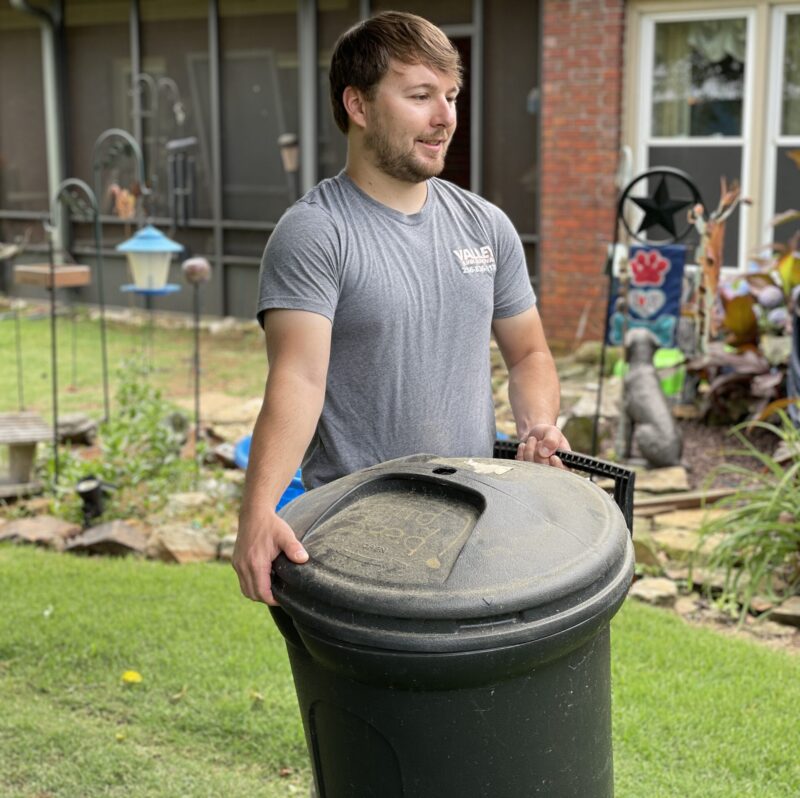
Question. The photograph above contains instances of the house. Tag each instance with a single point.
(556, 92)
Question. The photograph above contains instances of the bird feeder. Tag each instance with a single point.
(149, 253)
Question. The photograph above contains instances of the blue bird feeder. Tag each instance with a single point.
(149, 252)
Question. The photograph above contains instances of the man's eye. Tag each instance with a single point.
(420, 96)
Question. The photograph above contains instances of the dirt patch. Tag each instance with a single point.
(705, 448)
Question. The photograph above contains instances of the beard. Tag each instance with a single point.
(399, 164)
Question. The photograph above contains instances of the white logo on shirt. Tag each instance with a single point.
(474, 260)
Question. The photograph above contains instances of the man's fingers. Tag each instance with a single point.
(289, 544)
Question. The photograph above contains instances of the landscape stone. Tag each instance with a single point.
(673, 479)
(686, 519)
(225, 548)
(181, 543)
(655, 590)
(578, 430)
(769, 629)
(77, 427)
(223, 453)
(610, 403)
(181, 502)
(43, 530)
(115, 538)
(684, 544)
(687, 605)
(788, 612)
(644, 547)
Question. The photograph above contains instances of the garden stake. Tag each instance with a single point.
(97, 166)
(18, 343)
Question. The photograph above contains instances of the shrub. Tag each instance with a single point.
(759, 548)
(140, 447)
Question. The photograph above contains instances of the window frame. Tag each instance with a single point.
(773, 139)
(644, 98)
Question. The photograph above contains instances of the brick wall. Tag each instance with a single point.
(581, 118)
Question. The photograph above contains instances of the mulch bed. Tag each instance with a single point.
(707, 447)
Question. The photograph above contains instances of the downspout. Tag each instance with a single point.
(51, 23)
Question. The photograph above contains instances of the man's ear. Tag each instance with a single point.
(355, 104)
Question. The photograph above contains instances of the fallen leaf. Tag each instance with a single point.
(179, 696)
(257, 701)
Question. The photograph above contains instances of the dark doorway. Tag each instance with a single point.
(457, 167)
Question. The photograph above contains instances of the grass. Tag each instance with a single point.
(695, 714)
(215, 713)
(233, 361)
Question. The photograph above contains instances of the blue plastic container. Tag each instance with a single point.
(241, 456)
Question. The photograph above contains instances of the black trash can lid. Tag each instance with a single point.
(432, 554)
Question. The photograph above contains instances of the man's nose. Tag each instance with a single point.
(444, 114)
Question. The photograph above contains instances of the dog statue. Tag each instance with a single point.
(646, 412)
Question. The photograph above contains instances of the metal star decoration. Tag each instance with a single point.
(660, 209)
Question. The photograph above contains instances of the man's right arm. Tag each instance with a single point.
(298, 349)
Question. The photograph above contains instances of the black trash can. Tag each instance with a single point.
(449, 636)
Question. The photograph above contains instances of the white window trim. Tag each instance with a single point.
(774, 139)
(645, 98)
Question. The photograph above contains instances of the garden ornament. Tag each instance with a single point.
(647, 416)
(656, 227)
(712, 240)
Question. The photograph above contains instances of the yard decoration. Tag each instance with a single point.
(196, 271)
(8, 252)
(81, 200)
(659, 215)
(110, 146)
(741, 320)
(647, 417)
(712, 239)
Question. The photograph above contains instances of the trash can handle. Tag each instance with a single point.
(624, 478)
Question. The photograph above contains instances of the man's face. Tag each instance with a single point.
(410, 121)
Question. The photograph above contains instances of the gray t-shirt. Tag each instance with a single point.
(411, 299)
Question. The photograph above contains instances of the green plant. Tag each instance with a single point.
(759, 544)
(140, 452)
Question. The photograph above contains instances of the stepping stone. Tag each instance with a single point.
(115, 538)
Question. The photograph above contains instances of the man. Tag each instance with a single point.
(379, 291)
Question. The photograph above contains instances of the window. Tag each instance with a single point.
(23, 150)
(259, 80)
(782, 166)
(695, 105)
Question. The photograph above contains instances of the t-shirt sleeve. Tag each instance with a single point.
(299, 269)
(513, 292)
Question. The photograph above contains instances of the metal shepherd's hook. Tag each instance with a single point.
(97, 168)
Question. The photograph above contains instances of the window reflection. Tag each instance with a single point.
(173, 94)
(23, 153)
(698, 78)
(790, 125)
(259, 85)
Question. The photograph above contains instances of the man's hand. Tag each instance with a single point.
(541, 444)
(262, 537)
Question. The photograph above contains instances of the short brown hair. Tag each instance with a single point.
(362, 54)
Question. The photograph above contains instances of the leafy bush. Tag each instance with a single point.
(759, 547)
(140, 449)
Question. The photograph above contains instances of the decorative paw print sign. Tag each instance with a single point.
(653, 299)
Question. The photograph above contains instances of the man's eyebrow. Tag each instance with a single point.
(431, 87)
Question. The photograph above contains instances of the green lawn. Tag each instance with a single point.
(695, 714)
(233, 361)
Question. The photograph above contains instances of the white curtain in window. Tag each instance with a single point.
(688, 70)
(790, 125)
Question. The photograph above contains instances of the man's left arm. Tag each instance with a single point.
(533, 386)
